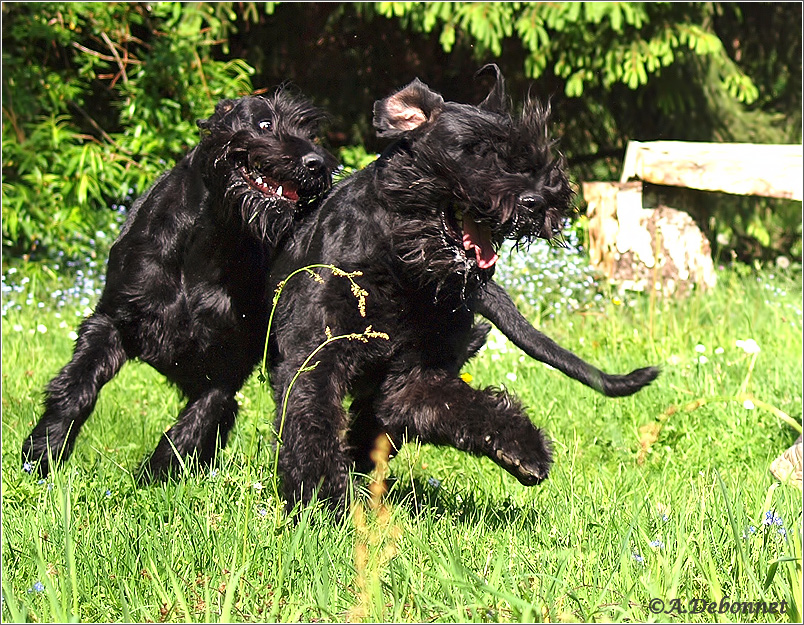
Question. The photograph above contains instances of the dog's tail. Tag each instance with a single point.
(495, 305)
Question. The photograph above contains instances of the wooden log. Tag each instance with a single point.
(644, 249)
(739, 168)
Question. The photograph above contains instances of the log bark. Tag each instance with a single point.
(644, 249)
(739, 168)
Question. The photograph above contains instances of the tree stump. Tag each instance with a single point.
(645, 248)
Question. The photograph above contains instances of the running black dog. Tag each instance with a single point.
(185, 282)
(414, 239)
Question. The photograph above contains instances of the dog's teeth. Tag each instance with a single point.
(279, 190)
(258, 180)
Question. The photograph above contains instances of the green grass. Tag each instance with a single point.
(644, 502)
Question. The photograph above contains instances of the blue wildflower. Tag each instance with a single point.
(639, 558)
(27, 467)
(37, 587)
(434, 483)
(657, 544)
(771, 518)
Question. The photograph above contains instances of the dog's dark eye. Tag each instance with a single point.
(477, 148)
(265, 124)
(529, 202)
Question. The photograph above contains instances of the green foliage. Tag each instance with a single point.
(98, 99)
(353, 158)
(599, 43)
(57, 175)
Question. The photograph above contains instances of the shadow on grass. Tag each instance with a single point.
(423, 498)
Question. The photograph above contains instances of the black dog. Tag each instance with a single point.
(422, 225)
(185, 283)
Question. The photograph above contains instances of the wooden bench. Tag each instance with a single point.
(663, 248)
(739, 168)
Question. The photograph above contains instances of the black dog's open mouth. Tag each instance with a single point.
(473, 236)
(270, 187)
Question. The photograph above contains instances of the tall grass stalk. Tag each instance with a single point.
(308, 364)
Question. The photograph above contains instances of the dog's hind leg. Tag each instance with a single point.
(364, 428)
(440, 409)
(71, 395)
(200, 431)
(364, 433)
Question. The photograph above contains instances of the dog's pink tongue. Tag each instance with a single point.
(478, 236)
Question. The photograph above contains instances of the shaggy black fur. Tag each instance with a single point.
(185, 282)
(422, 225)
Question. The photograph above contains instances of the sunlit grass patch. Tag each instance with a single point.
(665, 494)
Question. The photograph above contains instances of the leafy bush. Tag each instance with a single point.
(597, 43)
(98, 99)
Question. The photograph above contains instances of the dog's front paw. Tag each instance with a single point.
(38, 458)
(527, 458)
(528, 473)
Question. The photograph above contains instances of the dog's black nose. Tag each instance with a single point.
(313, 162)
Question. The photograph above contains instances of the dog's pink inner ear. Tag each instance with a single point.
(408, 109)
(402, 116)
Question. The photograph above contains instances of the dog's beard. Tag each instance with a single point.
(266, 216)
(270, 188)
(260, 190)
(548, 224)
(456, 250)
(438, 253)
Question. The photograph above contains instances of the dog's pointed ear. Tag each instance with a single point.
(495, 101)
(222, 109)
(408, 109)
